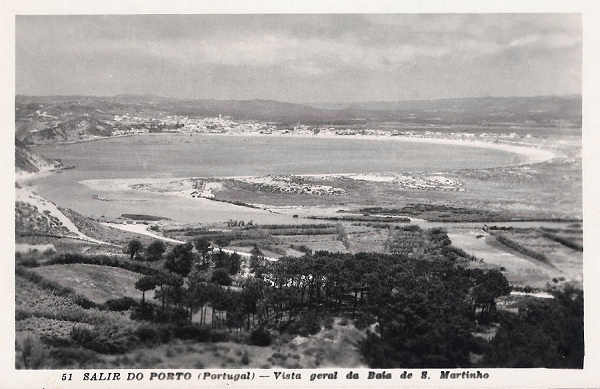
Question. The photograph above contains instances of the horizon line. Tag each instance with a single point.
(148, 95)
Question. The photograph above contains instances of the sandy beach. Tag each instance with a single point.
(530, 154)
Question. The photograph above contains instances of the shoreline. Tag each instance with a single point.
(529, 155)
(526, 155)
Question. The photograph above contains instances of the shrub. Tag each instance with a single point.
(148, 335)
(308, 323)
(245, 358)
(411, 228)
(82, 335)
(22, 315)
(57, 341)
(564, 241)
(155, 250)
(173, 315)
(143, 312)
(219, 337)
(104, 339)
(120, 304)
(454, 253)
(520, 248)
(33, 354)
(49, 251)
(192, 332)
(221, 277)
(103, 260)
(260, 337)
(73, 356)
(363, 321)
(83, 302)
(29, 262)
(329, 322)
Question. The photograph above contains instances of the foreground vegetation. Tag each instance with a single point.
(421, 306)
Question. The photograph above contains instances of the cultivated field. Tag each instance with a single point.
(97, 283)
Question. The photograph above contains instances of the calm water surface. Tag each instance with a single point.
(187, 156)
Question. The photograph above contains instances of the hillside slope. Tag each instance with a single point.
(26, 161)
(35, 215)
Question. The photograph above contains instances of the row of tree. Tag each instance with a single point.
(424, 310)
(421, 301)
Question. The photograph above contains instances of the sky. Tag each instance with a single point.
(300, 58)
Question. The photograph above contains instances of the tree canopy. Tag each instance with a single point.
(133, 247)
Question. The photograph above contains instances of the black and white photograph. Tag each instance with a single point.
(294, 191)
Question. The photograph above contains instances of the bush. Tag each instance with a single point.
(103, 260)
(29, 262)
(73, 356)
(171, 315)
(120, 304)
(308, 323)
(143, 312)
(520, 248)
(192, 332)
(564, 241)
(104, 339)
(33, 354)
(153, 335)
(411, 228)
(245, 358)
(329, 322)
(219, 337)
(148, 335)
(363, 321)
(82, 335)
(260, 337)
(155, 250)
(57, 341)
(22, 315)
(83, 302)
(221, 277)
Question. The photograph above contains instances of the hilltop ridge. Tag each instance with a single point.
(47, 119)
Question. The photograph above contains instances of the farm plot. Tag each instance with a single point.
(519, 270)
(97, 283)
(567, 260)
(365, 239)
(314, 242)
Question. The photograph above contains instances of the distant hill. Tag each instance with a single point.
(539, 110)
(47, 119)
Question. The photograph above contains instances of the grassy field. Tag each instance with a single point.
(43, 312)
(97, 283)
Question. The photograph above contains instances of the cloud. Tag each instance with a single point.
(327, 51)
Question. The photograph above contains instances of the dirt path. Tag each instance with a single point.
(143, 230)
(46, 207)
